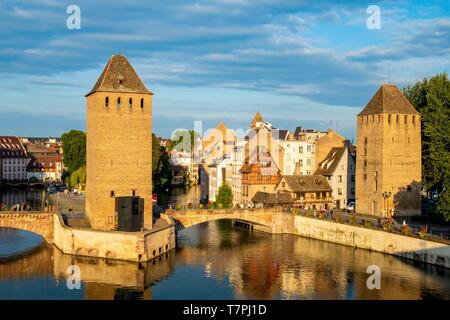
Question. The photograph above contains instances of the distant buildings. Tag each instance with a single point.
(30, 159)
(13, 159)
(255, 165)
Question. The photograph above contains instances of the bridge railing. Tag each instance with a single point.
(386, 225)
(217, 210)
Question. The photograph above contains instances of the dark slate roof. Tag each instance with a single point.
(329, 164)
(308, 183)
(281, 134)
(119, 76)
(271, 198)
(297, 132)
(388, 99)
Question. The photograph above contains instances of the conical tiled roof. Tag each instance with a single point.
(256, 118)
(119, 76)
(388, 99)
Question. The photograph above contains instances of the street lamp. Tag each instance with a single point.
(386, 196)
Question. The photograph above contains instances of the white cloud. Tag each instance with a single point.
(21, 13)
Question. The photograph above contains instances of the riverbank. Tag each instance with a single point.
(412, 248)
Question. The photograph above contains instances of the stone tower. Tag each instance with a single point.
(119, 150)
(388, 156)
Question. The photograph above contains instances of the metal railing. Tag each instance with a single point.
(385, 225)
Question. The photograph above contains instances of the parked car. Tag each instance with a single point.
(350, 207)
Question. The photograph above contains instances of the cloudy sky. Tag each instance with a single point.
(312, 64)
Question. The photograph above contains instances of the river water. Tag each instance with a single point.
(218, 260)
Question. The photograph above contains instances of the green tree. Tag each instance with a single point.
(77, 178)
(224, 196)
(156, 153)
(161, 169)
(74, 149)
(431, 97)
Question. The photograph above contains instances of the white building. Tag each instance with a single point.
(45, 168)
(237, 161)
(299, 150)
(298, 154)
(13, 159)
(339, 168)
(218, 174)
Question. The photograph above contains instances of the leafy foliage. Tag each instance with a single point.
(74, 148)
(161, 173)
(77, 178)
(224, 196)
(431, 97)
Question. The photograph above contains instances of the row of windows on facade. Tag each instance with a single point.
(309, 148)
(389, 119)
(12, 153)
(118, 104)
(15, 161)
(14, 176)
(14, 169)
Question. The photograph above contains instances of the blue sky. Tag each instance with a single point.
(313, 64)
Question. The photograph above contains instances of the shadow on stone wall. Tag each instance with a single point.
(408, 200)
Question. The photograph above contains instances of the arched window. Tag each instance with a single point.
(398, 118)
(414, 119)
(107, 103)
(130, 104)
(142, 103)
(389, 118)
(118, 104)
(406, 119)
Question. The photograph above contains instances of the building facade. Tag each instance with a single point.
(119, 150)
(339, 169)
(388, 161)
(262, 176)
(45, 168)
(237, 161)
(13, 159)
(307, 191)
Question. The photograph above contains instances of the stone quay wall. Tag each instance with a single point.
(130, 246)
(422, 250)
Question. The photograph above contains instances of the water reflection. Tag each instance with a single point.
(219, 261)
(32, 197)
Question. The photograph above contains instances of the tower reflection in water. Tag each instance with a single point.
(228, 262)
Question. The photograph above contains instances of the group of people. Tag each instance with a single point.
(20, 207)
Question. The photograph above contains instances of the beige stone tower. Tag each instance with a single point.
(388, 157)
(119, 150)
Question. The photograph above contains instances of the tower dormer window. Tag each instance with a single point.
(118, 104)
(130, 104)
